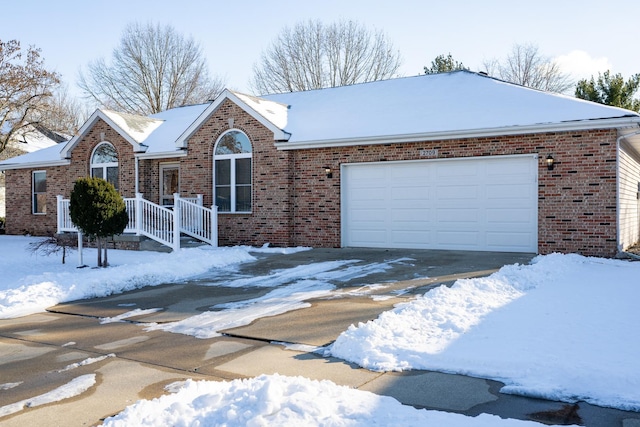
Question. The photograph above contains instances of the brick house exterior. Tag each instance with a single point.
(587, 204)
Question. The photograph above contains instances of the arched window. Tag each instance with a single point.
(104, 163)
(232, 173)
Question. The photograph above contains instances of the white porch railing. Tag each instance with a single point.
(160, 223)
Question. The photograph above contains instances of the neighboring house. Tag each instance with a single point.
(446, 161)
(27, 140)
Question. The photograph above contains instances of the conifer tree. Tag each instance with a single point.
(611, 90)
(99, 211)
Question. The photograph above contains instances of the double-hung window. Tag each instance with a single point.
(104, 163)
(232, 165)
(39, 192)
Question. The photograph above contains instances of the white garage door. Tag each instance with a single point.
(484, 204)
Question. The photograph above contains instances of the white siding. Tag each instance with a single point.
(629, 205)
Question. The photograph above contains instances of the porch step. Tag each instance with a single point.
(147, 244)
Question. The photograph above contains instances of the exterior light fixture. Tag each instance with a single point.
(550, 162)
(327, 172)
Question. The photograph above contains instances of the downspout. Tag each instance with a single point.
(618, 141)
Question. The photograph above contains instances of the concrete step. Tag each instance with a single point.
(147, 244)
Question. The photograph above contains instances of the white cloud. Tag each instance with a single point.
(580, 65)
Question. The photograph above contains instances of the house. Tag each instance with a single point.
(27, 140)
(446, 161)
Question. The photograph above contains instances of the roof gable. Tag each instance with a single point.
(269, 113)
(134, 129)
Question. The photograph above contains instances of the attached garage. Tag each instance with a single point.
(480, 203)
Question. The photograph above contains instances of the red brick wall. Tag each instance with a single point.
(577, 200)
(60, 180)
(19, 219)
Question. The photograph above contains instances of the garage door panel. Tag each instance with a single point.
(487, 203)
(457, 192)
(457, 239)
(414, 194)
(365, 238)
(369, 215)
(509, 216)
(508, 191)
(412, 215)
(400, 238)
(499, 241)
(460, 215)
(456, 171)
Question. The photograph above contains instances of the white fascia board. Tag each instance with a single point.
(278, 134)
(35, 165)
(164, 155)
(98, 114)
(616, 123)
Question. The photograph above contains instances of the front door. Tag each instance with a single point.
(169, 182)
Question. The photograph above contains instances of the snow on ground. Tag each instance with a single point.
(73, 388)
(561, 328)
(280, 300)
(286, 401)
(29, 282)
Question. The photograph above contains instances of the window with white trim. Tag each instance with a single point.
(39, 192)
(104, 163)
(232, 172)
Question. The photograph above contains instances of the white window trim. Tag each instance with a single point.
(33, 192)
(232, 172)
(104, 166)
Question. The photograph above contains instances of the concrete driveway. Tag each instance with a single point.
(42, 352)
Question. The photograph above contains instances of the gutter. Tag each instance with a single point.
(32, 165)
(163, 155)
(614, 123)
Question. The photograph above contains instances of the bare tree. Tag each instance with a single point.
(526, 66)
(153, 69)
(312, 55)
(26, 88)
(63, 113)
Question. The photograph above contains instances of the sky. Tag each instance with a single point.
(582, 35)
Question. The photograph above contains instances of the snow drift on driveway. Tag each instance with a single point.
(287, 401)
(562, 328)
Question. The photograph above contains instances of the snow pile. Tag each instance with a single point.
(286, 401)
(557, 329)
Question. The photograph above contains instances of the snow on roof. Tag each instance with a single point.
(435, 104)
(137, 127)
(49, 156)
(275, 112)
(174, 123)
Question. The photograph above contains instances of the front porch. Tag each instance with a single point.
(163, 224)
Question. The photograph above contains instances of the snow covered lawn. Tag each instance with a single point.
(561, 328)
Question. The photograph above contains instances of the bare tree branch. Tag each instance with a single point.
(26, 89)
(526, 66)
(312, 55)
(153, 69)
